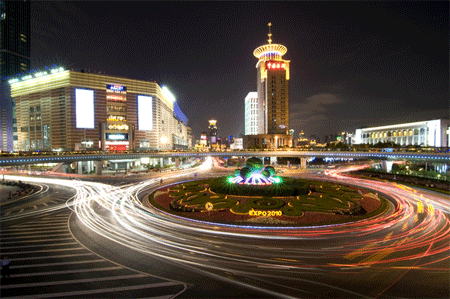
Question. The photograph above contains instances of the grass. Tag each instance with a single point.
(321, 197)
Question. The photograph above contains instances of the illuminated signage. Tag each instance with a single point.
(116, 136)
(275, 65)
(265, 213)
(116, 98)
(116, 87)
(84, 106)
(145, 113)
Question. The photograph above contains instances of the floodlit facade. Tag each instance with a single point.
(62, 109)
(254, 124)
(433, 133)
(212, 131)
(273, 87)
(267, 121)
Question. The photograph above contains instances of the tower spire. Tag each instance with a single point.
(270, 34)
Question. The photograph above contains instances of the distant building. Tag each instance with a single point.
(190, 137)
(238, 144)
(302, 140)
(254, 122)
(62, 109)
(267, 141)
(15, 38)
(203, 140)
(212, 131)
(14, 59)
(433, 133)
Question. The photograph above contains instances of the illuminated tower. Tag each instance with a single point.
(212, 129)
(273, 87)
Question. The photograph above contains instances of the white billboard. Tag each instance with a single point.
(84, 105)
(145, 113)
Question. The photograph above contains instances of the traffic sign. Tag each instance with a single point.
(208, 206)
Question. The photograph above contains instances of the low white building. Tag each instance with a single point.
(433, 133)
(238, 144)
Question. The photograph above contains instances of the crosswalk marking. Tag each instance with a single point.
(28, 233)
(44, 250)
(58, 282)
(37, 241)
(51, 257)
(99, 291)
(29, 246)
(68, 271)
(58, 264)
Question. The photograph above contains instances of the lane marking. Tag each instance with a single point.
(99, 291)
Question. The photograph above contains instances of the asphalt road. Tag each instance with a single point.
(403, 253)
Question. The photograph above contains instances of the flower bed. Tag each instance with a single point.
(372, 206)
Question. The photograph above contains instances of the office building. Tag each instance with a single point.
(433, 133)
(272, 107)
(15, 38)
(254, 122)
(212, 131)
(62, 109)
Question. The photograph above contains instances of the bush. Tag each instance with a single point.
(289, 187)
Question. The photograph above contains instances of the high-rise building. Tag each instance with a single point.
(272, 104)
(15, 37)
(254, 123)
(212, 131)
(273, 86)
(62, 109)
(14, 59)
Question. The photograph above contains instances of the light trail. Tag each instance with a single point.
(413, 233)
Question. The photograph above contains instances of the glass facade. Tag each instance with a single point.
(15, 37)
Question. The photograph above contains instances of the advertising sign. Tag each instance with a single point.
(116, 87)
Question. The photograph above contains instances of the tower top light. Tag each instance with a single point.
(270, 51)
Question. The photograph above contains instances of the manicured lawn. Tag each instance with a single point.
(340, 202)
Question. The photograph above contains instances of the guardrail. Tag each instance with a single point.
(34, 159)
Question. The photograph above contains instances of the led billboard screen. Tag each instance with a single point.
(145, 113)
(84, 105)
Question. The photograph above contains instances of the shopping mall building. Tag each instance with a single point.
(73, 110)
(434, 133)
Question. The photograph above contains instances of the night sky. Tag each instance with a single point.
(353, 64)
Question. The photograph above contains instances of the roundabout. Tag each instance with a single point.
(256, 191)
(401, 252)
